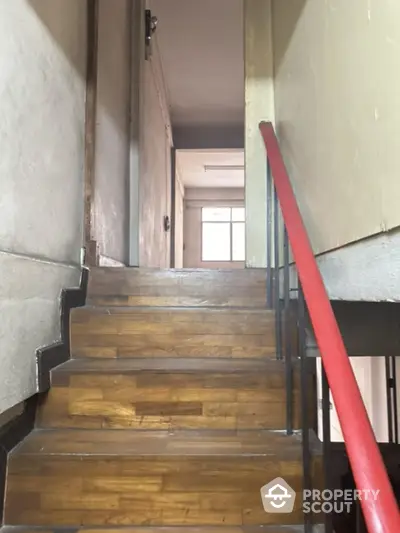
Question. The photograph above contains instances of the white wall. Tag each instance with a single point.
(42, 108)
(195, 199)
(259, 105)
(337, 96)
(110, 220)
(371, 379)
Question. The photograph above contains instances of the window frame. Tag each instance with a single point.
(231, 223)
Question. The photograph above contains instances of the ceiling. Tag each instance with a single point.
(201, 46)
(211, 168)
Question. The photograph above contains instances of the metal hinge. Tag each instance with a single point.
(150, 27)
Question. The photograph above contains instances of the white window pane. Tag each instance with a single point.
(216, 214)
(238, 214)
(238, 242)
(216, 242)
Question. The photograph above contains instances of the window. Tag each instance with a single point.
(223, 234)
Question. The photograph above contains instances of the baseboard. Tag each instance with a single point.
(12, 434)
(51, 356)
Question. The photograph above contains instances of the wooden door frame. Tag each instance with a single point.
(173, 206)
(90, 245)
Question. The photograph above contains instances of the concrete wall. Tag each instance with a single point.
(111, 200)
(155, 165)
(337, 95)
(195, 199)
(259, 105)
(42, 107)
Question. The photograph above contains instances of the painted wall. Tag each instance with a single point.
(179, 216)
(259, 105)
(111, 200)
(195, 199)
(337, 100)
(155, 165)
(42, 105)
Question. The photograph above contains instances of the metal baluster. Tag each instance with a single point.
(389, 398)
(269, 238)
(277, 304)
(395, 410)
(288, 340)
(307, 478)
(326, 436)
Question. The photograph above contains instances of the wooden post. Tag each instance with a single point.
(91, 255)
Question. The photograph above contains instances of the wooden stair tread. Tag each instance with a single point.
(127, 529)
(128, 443)
(250, 317)
(171, 364)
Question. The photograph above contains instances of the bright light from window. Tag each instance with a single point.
(238, 245)
(223, 234)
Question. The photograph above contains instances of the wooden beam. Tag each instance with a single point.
(91, 255)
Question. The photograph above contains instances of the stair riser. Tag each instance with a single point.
(245, 288)
(146, 491)
(190, 333)
(166, 401)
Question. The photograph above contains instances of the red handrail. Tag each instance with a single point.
(381, 515)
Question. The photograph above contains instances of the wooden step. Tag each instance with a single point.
(157, 332)
(168, 394)
(95, 478)
(184, 287)
(122, 529)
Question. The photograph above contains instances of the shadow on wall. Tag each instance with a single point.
(110, 226)
(48, 11)
(285, 16)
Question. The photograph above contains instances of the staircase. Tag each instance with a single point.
(169, 417)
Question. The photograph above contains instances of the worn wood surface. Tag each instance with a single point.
(171, 332)
(149, 478)
(166, 418)
(183, 287)
(206, 529)
(168, 393)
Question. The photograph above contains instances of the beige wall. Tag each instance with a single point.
(259, 105)
(179, 210)
(155, 165)
(195, 199)
(110, 223)
(337, 95)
